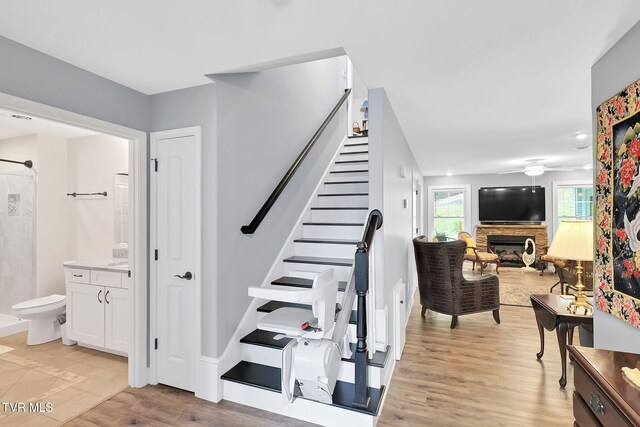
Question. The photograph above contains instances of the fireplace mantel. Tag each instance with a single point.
(539, 231)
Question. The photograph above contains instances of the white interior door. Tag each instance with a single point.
(175, 208)
(399, 319)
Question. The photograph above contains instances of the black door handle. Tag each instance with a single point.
(105, 297)
(187, 276)
(99, 300)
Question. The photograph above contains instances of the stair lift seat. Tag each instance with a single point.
(41, 313)
(309, 360)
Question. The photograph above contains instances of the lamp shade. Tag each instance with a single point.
(573, 240)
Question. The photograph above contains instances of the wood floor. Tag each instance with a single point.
(480, 374)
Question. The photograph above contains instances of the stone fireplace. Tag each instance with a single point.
(508, 248)
(510, 239)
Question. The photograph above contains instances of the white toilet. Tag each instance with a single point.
(41, 313)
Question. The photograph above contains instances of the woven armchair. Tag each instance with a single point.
(444, 289)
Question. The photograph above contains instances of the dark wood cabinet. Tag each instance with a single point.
(603, 396)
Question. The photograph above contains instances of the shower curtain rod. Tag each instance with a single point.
(27, 163)
(104, 193)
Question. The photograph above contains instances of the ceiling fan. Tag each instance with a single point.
(535, 167)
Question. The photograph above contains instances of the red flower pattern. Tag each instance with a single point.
(621, 234)
(634, 148)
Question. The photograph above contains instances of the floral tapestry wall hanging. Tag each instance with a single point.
(617, 216)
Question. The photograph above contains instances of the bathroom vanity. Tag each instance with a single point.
(98, 309)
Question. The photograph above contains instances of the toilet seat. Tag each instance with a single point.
(47, 302)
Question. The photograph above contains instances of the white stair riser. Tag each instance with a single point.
(339, 215)
(302, 409)
(359, 156)
(351, 166)
(333, 231)
(342, 273)
(351, 149)
(327, 250)
(347, 201)
(361, 187)
(351, 176)
(273, 357)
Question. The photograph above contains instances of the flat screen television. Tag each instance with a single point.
(511, 204)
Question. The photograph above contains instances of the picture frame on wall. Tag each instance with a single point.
(617, 213)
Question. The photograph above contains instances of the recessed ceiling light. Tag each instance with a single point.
(581, 136)
(580, 147)
(20, 117)
(449, 174)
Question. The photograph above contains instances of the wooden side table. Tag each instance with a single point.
(603, 396)
(552, 312)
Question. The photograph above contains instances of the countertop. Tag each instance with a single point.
(120, 265)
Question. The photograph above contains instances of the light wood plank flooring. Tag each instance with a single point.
(480, 374)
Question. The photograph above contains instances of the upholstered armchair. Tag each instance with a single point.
(442, 286)
(477, 256)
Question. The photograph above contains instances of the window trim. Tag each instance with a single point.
(559, 184)
(431, 189)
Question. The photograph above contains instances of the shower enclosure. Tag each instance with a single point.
(17, 247)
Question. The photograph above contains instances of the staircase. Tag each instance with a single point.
(328, 235)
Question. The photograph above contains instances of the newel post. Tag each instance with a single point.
(362, 398)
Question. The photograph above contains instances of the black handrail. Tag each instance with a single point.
(264, 210)
(361, 272)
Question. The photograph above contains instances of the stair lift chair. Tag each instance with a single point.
(310, 360)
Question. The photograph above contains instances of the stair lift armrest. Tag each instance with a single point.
(276, 293)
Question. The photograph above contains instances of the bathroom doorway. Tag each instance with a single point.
(126, 198)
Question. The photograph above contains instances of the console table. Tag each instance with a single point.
(603, 396)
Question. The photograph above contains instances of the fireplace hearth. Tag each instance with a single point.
(508, 248)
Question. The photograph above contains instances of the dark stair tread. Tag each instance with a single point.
(379, 359)
(343, 162)
(302, 283)
(339, 224)
(265, 339)
(327, 241)
(354, 171)
(339, 208)
(274, 305)
(358, 136)
(356, 144)
(269, 377)
(341, 262)
(345, 182)
(350, 153)
(342, 194)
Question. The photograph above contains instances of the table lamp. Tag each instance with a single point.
(574, 241)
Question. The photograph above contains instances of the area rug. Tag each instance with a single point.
(5, 349)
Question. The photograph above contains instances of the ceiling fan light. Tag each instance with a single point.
(534, 172)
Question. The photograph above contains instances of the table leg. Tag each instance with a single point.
(541, 331)
(561, 331)
(571, 330)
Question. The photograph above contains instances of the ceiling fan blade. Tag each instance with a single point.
(562, 169)
(511, 171)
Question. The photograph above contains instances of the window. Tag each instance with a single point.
(449, 211)
(572, 200)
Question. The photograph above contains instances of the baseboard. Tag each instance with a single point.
(208, 384)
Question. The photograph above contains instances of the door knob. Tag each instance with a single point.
(187, 276)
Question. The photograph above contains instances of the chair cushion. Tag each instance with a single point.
(471, 243)
(486, 256)
(286, 320)
(549, 258)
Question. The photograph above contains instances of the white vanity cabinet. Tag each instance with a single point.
(98, 308)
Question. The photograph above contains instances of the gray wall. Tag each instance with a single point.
(493, 180)
(264, 120)
(196, 106)
(388, 153)
(32, 75)
(613, 72)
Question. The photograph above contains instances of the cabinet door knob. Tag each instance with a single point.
(105, 297)
(99, 292)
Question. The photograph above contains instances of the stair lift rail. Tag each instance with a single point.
(361, 274)
(266, 207)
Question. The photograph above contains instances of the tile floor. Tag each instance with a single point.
(71, 379)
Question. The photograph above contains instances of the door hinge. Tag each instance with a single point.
(129, 273)
(155, 344)
(156, 255)
(155, 164)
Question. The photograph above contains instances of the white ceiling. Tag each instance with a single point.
(10, 127)
(478, 86)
